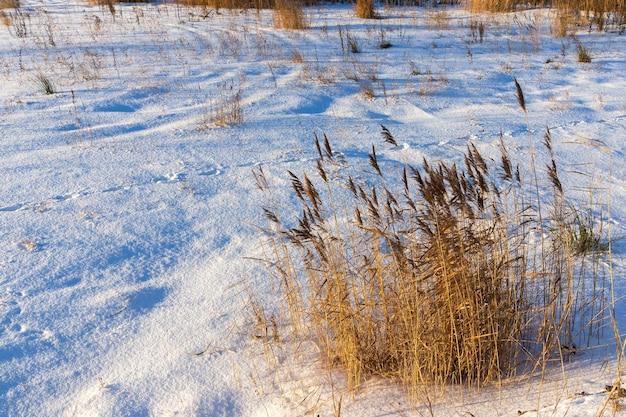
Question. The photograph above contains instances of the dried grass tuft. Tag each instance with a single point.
(45, 84)
(289, 14)
(569, 13)
(365, 9)
(9, 4)
(225, 110)
(582, 54)
(437, 280)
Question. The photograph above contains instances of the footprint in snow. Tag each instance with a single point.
(169, 178)
(65, 197)
(13, 207)
(146, 298)
(116, 188)
(211, 171)
(10, 310)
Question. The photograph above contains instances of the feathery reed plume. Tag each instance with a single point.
(327, 148)
(317, 146)
(551, 167)
(374, 161)
(387, 136)
(270, 215)
(296, 184)
(321, 171)
(351, 186)
(520, 95)
(507, 168)
(260, 179)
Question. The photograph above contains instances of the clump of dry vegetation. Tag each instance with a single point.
(499, 5)
(45, 84)
(590, 13)
(365, 9)
(289, 14)
(563, 24)
(227, 109)
(367, 91)
(226, 4)
(459, 274)
(109, 3)
(594, 13)
(582, 54)
(105, 2)
(9, 4)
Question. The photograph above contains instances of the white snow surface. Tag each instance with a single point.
(129, 222)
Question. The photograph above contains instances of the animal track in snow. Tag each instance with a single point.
(169, 178)
(174, 177)
(13, 207)
(10, 309)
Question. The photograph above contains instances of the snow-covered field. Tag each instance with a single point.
(129, 215)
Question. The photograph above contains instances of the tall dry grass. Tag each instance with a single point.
(216, 4)
(501, 6)
(289, 14)
(591, 13)
(459, 274)
(594, 13)
(227, 4)
(9, 4)
(16, 20)
(108, 2)
(227, 109)
(365, 9)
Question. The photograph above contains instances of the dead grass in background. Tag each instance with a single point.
(289, 14)
(9, 4)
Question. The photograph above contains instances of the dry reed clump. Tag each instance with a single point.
(13, 20)
(594, 13)
(365, 9)
(9, 4)
(582, 54)
(228, 110)
(590, 13)
(367, 91)
(224, 4)
(563, 24)
(439, 280)
(289, 14)
(244, 4)
(214, 3)
(500, 5)
(110, 2)
(225, 110)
